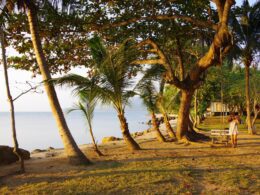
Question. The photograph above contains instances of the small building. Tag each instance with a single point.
(217, 108)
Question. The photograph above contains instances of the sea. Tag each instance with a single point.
(38, 130)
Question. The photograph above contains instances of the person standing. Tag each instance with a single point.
(233, 129)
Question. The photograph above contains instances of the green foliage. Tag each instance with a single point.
(110, 80)
(245, 23)
(171, 99)
(148, 93)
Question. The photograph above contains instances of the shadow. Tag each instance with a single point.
(186, 172)
(253, 138)
(193, 157)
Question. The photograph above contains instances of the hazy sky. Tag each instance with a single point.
(32, 101)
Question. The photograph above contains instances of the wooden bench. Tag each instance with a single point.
(220, 135)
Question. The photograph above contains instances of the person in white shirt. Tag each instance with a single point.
(233, 129)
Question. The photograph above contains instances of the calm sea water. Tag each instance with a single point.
(38, 129)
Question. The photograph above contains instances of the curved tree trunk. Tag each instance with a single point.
(74, 154)
(16, 149)
(156, 128)
(248, 110)
(183, 115)
(168, 126)
(94, 142)
(130, 142)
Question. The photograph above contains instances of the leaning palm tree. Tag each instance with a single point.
(86, 105)
(149, 95)
(163, 104)
(74, 154)
(246, 30)
(112, 70)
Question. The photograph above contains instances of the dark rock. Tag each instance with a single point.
(7, 155)
(50, 148)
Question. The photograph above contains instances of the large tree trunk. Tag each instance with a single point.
(248, 110)
(193, 134)
(185, 127)
(183, 115)
(94, 142)
(74, 154)
(168, 126)
(130, 142)
(156, 128)
(16, 149)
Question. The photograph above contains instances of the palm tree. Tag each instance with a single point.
(150, 97)
(163, 105)
(74, 154)
(16, 149)
(112, 72)
(87, 105)
(246, 29)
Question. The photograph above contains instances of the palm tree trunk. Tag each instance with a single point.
(16, 149)
(248, 110)
(156, 128)
(94, 142)
(130, 142)
(74, 154)
(168, 126)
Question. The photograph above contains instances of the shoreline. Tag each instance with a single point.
(59, 152)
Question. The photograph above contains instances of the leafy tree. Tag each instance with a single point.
(159, 28)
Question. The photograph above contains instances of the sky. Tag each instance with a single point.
(33, 102)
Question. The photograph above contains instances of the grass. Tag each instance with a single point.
(165, 168)
(217, 122)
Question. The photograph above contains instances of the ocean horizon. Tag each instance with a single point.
(38, 130)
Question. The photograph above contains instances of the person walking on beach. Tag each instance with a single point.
(233, 129)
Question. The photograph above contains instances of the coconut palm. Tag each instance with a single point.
(149, 95)
(112, 71)
(87, 106)
(163, 104)
(74, 154)
(246, 28)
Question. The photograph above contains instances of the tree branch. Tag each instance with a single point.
(199, 23)
(162, 60)
(31, 89)
(220, 45)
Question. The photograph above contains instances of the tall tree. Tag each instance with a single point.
(180, 18)
(74, 154)
(16, 149)
(246, 27)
